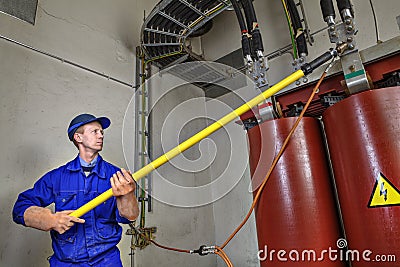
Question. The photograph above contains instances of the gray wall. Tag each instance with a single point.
(181, 222)
(234, 193)
(40, 95)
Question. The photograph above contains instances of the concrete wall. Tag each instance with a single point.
(234, 195)
(40, 95)
(182, 221)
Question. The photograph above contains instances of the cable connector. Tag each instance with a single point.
(330, 65)
(325, 57)
(203, 250)
(249, 63)
(261, 59)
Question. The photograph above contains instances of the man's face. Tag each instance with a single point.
(92, 136)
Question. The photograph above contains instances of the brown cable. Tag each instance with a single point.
(226, 260)
(162, 246)
(222, 254)
(169, 248)
(218, 251)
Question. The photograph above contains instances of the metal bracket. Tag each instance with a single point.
(142, 237)
(307, 31)
(344, 33)
(297, 64)
(140, 199)
(354, 73)
(266, 110)
(259, 71)
(353, 68)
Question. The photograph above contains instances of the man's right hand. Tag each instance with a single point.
(43, 219)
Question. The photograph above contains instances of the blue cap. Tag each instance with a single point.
(83, 119)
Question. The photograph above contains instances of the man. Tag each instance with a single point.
(90, 240)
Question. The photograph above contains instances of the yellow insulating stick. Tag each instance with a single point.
(193, 140)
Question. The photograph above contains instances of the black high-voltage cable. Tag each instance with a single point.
(252, 11)
(327, 10)
(248, 15)
(298, 29)
(239, 16)
(245, 39)
(253, 27)
(342, 5)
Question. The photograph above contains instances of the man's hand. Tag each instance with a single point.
(122, 183)
(62, 222)
(43, 219)
(123, 187)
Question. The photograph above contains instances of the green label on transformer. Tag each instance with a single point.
(354, 74)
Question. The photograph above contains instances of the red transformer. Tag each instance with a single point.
(363, 134)
(296, 213)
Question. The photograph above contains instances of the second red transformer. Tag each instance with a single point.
(296, 212)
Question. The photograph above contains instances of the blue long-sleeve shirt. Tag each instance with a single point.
(69, 188)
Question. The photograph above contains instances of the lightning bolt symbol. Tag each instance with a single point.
(383, 191)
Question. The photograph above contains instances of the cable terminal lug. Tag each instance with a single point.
(203, 250)
(260, 58)
(249, 63)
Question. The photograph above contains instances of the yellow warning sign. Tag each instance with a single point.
(384, 193)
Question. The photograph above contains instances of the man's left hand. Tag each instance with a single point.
(122, 183)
